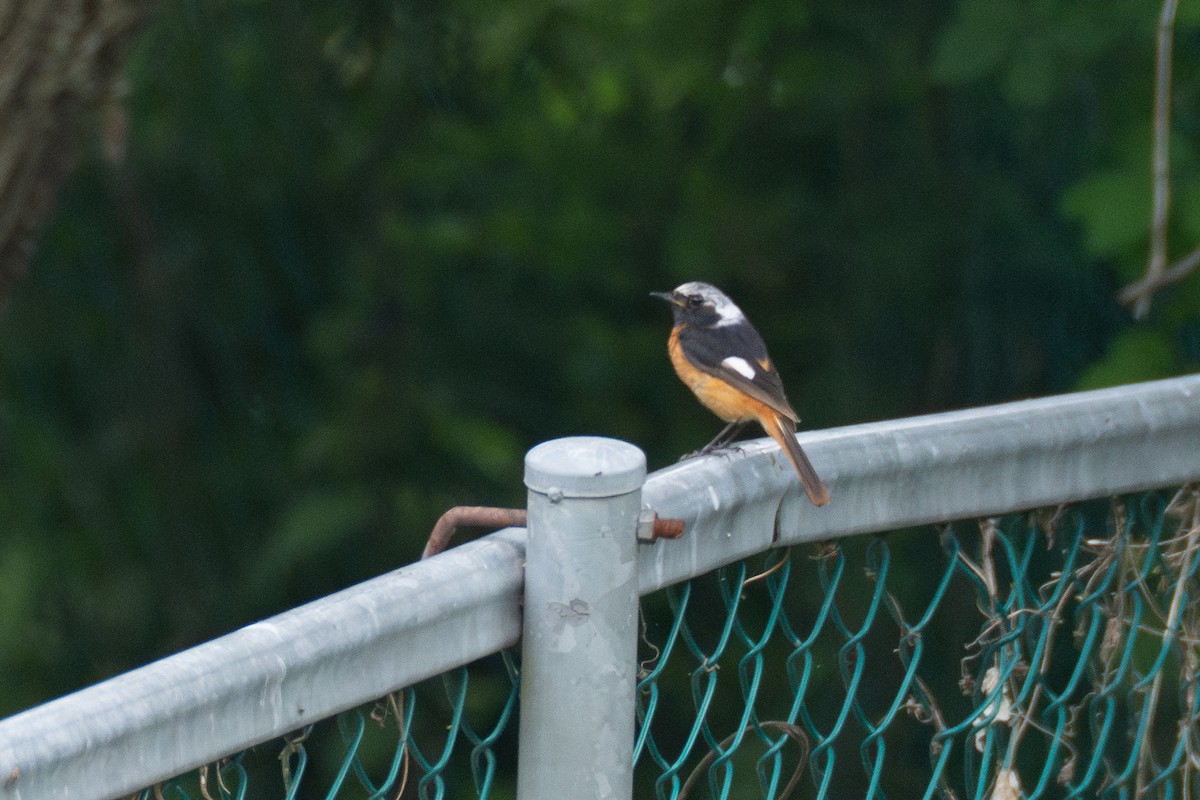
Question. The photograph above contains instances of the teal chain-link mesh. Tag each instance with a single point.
(1051, 654)
(448, 737)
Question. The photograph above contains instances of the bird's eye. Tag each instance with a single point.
(695, 300)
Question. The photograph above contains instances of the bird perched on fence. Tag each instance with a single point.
(719, 355)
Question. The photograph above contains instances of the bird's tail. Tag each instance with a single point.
(783, 432)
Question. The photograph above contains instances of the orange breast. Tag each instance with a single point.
(717, 396)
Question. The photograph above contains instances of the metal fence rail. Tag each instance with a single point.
(269, 678)
(936, 468)
(363, 643)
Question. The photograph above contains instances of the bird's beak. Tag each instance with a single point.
(670, 298)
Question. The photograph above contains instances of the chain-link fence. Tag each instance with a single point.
(449, 736)
(1050, 654)
(1046, 653)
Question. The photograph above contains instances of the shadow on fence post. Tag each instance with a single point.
(579, 645)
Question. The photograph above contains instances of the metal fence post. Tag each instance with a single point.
(579, 647)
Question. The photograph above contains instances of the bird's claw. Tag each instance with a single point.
(724, 450)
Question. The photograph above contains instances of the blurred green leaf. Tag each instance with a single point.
(1114, 209)
(977, 40)
(1185, 193)
(1134, 355)
(312, 528)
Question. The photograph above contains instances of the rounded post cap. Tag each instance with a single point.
(585, 466)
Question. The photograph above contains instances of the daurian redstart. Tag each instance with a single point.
(719, 355)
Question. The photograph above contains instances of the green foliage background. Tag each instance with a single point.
(358, 257)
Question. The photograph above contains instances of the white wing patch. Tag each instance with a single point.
(741, 366)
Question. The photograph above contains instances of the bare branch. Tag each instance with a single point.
(1160, 160)
(1144, 288)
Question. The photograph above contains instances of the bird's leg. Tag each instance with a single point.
(727, 435)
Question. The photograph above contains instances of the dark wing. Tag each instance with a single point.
(708, 348)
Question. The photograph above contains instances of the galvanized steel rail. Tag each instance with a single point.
(936, 468)
(338, 652)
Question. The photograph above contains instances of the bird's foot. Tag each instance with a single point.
(725, 450)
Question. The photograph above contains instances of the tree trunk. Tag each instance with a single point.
(59, 59)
